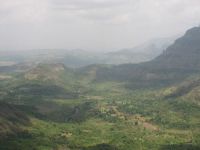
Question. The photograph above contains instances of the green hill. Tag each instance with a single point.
(12, 119)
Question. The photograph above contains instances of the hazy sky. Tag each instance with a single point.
(92, 24)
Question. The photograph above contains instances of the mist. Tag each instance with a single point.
(95, 25)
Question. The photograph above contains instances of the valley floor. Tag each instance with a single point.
(111, 117)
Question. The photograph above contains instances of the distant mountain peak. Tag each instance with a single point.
(183, 53)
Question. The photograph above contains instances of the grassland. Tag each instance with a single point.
(69, 112)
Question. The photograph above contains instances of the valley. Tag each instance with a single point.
(153, 105)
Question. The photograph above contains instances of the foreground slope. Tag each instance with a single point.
(11, 120)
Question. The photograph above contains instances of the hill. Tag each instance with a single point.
(184, 53)
(12, 120)
(179, 61)
(141, 53)
(79, 58)
(188, 89)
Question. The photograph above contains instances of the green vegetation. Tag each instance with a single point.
(100, 107)
(106, 115)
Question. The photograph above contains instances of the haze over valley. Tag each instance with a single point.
(79, 57)
(94, 75)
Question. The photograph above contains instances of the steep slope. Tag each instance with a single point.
(188, 90)
(184, 53)
(179, 61)
(12, 120)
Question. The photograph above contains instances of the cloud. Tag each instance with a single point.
(23, 10)
(111, 11)
(88, 4)
(108, 24)
(93, 10)
(137, 12)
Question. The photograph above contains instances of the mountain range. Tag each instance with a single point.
(80, 58)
